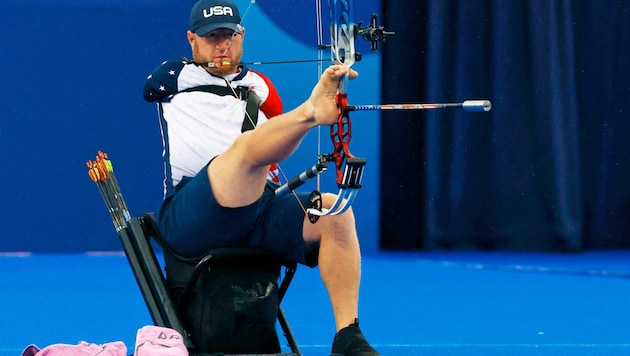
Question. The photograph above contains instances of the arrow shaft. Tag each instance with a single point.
(468, 105)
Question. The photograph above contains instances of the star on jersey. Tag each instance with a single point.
(162, 83)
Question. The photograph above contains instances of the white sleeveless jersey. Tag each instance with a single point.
(198, 125)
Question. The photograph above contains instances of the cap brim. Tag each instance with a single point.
(204, 30)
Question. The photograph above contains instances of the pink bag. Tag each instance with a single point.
(117, 348)
(150, 341)
(159, 341)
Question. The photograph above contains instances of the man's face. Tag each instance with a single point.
(222, 46)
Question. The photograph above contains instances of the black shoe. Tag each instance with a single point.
(350, 341)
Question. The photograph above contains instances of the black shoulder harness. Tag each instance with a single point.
(243, 93)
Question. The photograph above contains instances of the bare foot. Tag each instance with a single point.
(322, 101)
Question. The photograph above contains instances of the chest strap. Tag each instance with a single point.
(244, 93)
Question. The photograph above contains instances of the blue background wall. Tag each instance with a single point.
(72, 73)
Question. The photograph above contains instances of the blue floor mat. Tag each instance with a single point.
(425, 303)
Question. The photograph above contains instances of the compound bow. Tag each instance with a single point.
(349, 168)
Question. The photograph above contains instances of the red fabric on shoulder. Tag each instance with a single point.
(273, 105)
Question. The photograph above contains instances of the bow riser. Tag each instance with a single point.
(342, 32)
(341, 134)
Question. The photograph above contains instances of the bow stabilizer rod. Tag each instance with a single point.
(303, 177)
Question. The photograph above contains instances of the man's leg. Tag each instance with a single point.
(238, 176)
(339, 263)
(340, 269)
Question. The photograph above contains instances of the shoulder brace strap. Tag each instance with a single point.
(243, 93)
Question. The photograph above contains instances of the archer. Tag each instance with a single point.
(223, 130)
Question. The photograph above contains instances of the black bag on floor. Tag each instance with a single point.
(232, 307)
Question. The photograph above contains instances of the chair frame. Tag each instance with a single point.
(136, 239)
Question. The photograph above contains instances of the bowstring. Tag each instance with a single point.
(320, 70)
(229, 83)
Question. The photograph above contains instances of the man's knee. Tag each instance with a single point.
(339, 226)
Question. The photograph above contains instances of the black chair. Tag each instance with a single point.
(250, 275)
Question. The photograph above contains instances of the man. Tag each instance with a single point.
(219, 163)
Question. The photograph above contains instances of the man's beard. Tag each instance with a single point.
(219, 68)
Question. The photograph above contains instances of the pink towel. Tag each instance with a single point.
(159, 341)
(116, 348)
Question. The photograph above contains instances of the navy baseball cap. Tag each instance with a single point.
(209, 15)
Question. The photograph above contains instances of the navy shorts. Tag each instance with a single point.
(193, 223)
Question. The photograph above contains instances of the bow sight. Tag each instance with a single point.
(373, 33)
